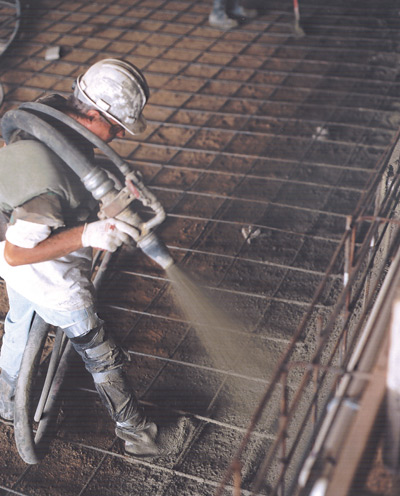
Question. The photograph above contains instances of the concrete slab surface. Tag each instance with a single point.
(259, 145)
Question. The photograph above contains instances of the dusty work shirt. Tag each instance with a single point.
(63, 283)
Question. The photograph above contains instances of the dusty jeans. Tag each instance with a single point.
(18, 322)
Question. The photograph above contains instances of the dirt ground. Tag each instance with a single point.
(259, 144)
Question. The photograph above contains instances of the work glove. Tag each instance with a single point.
(107, 234)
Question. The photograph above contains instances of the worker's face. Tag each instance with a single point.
(104, 127)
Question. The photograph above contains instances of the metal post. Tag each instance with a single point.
(391, 449)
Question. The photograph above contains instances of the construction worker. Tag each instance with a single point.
(45, 258)
(225, 14)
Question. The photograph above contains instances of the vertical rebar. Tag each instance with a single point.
(316, 373)
(368, 281)
(283, 427)
(237, 477)
(348, 264)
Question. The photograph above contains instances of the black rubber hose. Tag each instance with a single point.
(94, 178)
(82, 130)
(49, 135)
(23, 431)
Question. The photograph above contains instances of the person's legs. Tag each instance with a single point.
(104, 360)
(7, 395)
(16, 330)
(219, 6)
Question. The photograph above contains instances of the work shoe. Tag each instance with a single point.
(7, 393)
(219, 19)
(146, 440)
(239, 11)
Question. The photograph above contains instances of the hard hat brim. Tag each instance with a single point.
(137, 127)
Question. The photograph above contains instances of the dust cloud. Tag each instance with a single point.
(224, 340)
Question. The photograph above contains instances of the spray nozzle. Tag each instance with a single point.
(154, 248)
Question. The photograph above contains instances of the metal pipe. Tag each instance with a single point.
(391, 449)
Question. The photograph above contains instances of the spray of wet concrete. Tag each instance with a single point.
(224, 340)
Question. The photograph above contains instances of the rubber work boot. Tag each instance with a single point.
(7, 392)
(147, 440)
(239, 11)
(219, 19)
(104, 360)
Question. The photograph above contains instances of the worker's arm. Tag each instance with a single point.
(106, 234)
(55, 246)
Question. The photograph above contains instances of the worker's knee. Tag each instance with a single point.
(99, 351)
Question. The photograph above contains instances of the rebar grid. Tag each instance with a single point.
(357, 273)
(275, 83)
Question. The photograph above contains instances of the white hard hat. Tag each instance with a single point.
(117, 89)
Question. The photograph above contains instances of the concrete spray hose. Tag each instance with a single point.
(44, 122)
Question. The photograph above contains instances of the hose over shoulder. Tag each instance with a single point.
(56, 141)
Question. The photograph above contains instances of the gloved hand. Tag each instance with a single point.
(107, 234)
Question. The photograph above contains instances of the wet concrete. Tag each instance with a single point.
(259, 144)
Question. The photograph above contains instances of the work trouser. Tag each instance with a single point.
(18, 323)
(224, 5)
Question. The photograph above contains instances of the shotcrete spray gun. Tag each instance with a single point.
(44, 123)
(118, 205)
